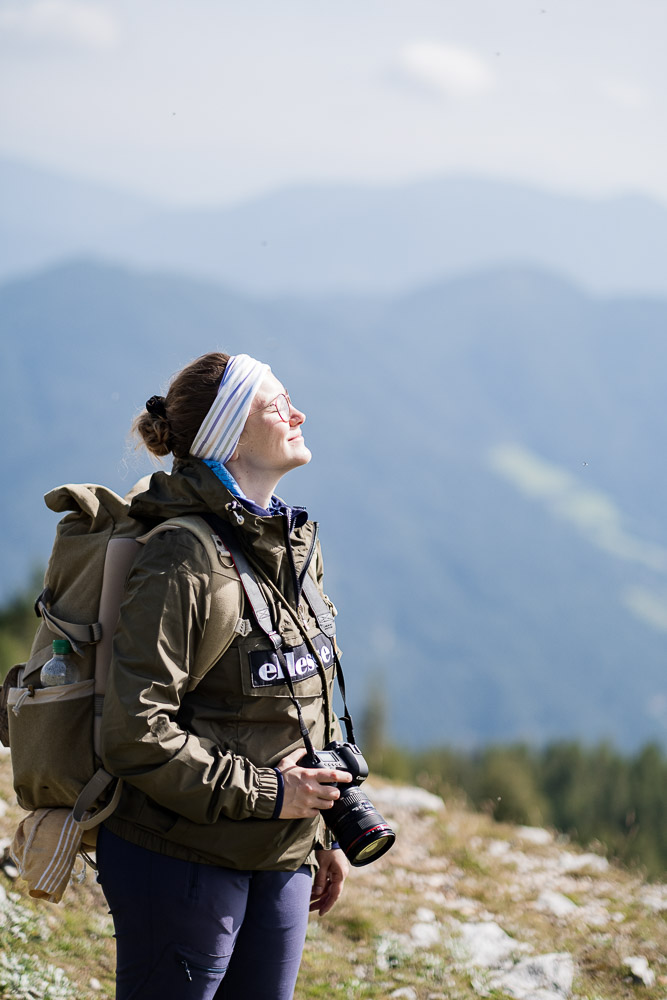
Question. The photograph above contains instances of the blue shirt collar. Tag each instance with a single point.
(296, 515)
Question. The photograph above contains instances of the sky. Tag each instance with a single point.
(214, 101)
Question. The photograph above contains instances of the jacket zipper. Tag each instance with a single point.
(234, 507)
(290, 559)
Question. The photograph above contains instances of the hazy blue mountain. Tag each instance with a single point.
(488, 472)
(328, 238)
(46, 215)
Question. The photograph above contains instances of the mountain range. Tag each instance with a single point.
(488, 472)
(339, 238)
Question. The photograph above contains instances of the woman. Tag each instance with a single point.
(206, 863)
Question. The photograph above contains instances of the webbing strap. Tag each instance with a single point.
(319, 607)
(89, 795)
(78, 635)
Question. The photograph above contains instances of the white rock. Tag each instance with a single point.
(654, 896)
(485, 945)
(542, 977)
(638, 966)
(95, 984)
(571, 862)
(425, 934)
(411, 798)
(497, 848)
(595, 915)
(534, 835)
(467, 907)
(437, 880)
(525, 863)
(405, 991)
(425, 916)
(556, 903)
(391, 948)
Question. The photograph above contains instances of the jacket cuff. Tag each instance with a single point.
(267, 793)
(281, 793)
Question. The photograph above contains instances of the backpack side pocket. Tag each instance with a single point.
(51, 736)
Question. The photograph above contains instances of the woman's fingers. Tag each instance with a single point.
(307, 790)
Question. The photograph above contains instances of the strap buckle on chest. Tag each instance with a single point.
(220, 545)
(327, 624)
(276, 639)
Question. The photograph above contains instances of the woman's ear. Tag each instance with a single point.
(237, 450)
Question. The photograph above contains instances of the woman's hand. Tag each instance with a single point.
(329, 878)
(307, 790)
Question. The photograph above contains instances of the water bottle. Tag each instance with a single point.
(59, 669)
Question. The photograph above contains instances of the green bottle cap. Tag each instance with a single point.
(61, 646)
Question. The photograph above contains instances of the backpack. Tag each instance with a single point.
(54, 732)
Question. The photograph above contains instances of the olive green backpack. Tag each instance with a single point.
(54, 732)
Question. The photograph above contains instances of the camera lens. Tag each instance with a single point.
(367, 852)
(358, 827)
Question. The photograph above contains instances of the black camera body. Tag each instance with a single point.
(343, 757)
(356, 824)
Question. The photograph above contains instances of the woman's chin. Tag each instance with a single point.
(302, 456)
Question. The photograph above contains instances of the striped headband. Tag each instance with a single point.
(221, 428)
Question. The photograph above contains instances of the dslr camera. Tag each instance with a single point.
(358, 827)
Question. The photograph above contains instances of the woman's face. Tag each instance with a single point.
(269, 444)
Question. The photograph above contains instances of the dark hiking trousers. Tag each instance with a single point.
(187, 931)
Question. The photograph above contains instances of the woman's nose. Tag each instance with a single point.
(296, 417)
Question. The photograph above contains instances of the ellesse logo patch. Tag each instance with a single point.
(266, 671)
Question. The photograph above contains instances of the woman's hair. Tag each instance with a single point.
(170, 423)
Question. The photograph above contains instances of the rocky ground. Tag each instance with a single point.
(461, 907)
(464, 907)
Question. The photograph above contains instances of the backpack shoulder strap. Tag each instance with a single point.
(221, 627)
(224, 621)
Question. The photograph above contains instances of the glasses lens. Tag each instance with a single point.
(283, 408)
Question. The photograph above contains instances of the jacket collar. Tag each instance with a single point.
(296, 516)
(193, 488)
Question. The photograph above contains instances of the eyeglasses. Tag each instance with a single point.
(282, 405)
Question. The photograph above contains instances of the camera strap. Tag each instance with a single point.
(326, 624)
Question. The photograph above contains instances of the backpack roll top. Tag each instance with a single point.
(70, 602)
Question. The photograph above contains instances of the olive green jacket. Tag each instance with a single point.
(198, 766)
